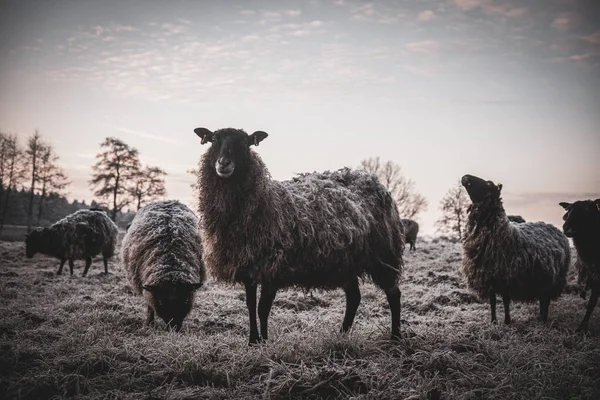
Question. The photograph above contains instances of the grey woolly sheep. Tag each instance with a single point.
(516, 218)
(318, 230)
(162, 257)
(522, 262)
(582, 223)
(79, 236)
(411, 229)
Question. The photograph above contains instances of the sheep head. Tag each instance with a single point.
(480, 189)
(581, 217)
(171, 302)
(34, 242)
(230, 148)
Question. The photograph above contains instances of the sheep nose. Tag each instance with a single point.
(224, 161)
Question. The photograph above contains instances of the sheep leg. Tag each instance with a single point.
(62, 263)
(412, 246)
(393, 297)
(506, 301)
(583, 326)
(88, 262)
(251, 304)
(544, 305)
(352, 302)
(105, 261)
(267, 295)
(493, 306)
(150, 316)
(71, 266)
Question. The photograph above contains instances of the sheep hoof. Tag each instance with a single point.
(507, 321)
(583, 327)
(396, 337)
(58, 272)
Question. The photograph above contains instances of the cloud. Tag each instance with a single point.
(426, 15)
(147, 135)
(292, 13)
(565, 21)
(247, 12)
(492, 8)
(428, 47)
(593, 39)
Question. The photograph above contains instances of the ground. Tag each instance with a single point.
(63, 336)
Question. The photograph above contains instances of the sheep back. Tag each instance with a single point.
(163, 246)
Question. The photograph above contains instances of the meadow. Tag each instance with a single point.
(75, 337)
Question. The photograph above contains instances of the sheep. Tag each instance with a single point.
(411, 229)
(318, 230)
(162, 257)
(515, 218)
(81, 235)
(522, 262)
(582, 224)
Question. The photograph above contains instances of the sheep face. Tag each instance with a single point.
(230, 148)
(479, 189)
(581, 216)
(33, 242)
(172, 303)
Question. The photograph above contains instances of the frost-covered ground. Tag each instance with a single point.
(80, 337)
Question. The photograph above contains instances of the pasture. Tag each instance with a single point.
(63, 336)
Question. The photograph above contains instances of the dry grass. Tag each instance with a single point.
(64, 336)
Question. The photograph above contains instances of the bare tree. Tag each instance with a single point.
(116, 167)
(149, 184)
(33, 153)
(454, 206)
(51, 178)
(11, 171)
(409, 202)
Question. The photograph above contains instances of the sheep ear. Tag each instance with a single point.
(150, 288)
(564, 205)
(499, 187)
(597, 203)
(195, 286)
(257, 137)
(204, 134)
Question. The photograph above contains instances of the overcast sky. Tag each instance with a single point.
(506, 90)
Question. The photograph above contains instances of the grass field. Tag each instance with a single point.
(64, 336)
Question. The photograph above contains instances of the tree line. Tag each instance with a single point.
(31, 176)
(33, 184)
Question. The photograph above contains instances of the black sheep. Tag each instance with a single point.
(79, 236)
(318, 230)
(582, 223)
(411, 229)
(523, 262)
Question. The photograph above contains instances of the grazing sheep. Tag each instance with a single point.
(162, 256)
(522, 262)
(79, 236)
(318, 230)
(515, 218)
(582, 223)
(411, 229)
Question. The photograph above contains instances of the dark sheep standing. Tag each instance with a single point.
(411, 229)
(79, 236)
(522, 262)
(162, 256)
(582, 223)
(515, 218)
(319, 230)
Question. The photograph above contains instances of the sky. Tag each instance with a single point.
(505, 90)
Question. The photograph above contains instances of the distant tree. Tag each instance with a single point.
(51, 178)
(409, 202)
(11, 171)
(33, 153)
(114, 171)
(148, 185)
(454, 207)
